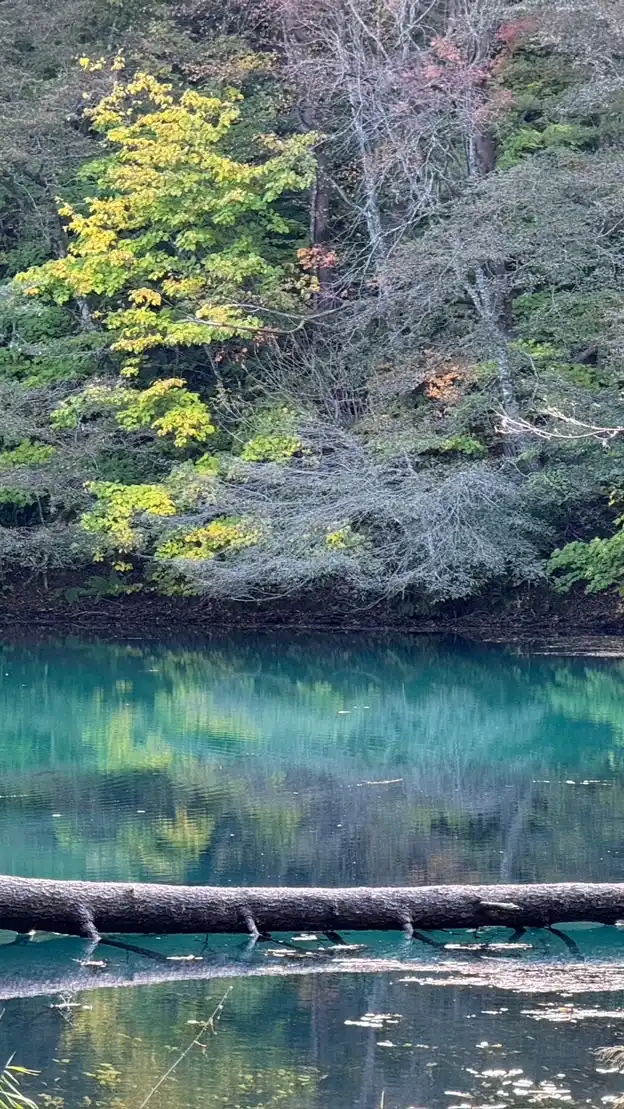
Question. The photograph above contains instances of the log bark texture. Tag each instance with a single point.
(89, 908)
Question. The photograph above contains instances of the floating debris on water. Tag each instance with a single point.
(382, 782)
(375, 1020)
(569, 1013)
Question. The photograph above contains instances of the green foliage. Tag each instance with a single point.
(558, 325)
(174, 234)
(11, 1094)
(179, 232)
(113, 518)
(202, 544)
(129, 465)
(169, 581)
(208, 465)
(275, 437)
(98, 586)
(343, 539)
(271, 448)
(71, 359)
(414, 441)
(41, 344)
(17, 498)
(22, 257)
(26, 453)
(35, 323)
(462, 444)
(547, 358)
(175, 350)
(599, 563)
(167, 407)
(527, 140)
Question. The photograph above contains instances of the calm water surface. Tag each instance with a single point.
(308, 761)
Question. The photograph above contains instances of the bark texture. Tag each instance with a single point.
(89, 908)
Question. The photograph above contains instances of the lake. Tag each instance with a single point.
(310, 760)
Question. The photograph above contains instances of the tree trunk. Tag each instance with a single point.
(320, 233)
(494, 313)
(88, 908)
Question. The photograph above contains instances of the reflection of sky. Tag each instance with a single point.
(303, 761)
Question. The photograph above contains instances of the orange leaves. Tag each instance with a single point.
(445, 379)
(444, 387)
(442, 379)
(314, 258)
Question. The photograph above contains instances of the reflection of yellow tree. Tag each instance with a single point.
(165, 850)
(128, 737)
(155, 850)
(131, 704)
(277, 826)
(190, 710)
(121, 743)
(201, 739)
(126, 1039)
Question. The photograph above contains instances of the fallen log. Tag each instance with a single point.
(90, 908)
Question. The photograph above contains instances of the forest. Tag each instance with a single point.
(312, 298)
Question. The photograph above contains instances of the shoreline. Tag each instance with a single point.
(544, 624)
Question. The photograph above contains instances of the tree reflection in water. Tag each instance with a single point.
(277, 760)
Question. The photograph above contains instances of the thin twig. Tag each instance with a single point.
(582, 429)
(207, 1024)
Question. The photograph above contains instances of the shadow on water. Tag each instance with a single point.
(312, 762)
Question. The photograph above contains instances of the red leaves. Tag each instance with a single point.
(513, 34)
(447, 51)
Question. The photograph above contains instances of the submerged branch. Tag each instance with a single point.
(50, 969)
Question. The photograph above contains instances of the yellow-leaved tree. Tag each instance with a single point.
(180, 236)
(179, 246)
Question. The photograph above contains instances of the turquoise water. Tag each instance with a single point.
(309, 760)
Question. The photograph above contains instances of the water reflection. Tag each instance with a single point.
(274, 760)
(309, 762)
(357, 1042)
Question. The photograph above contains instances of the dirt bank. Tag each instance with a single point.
(532, 615)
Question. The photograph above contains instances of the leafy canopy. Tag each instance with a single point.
(114, 515)
(167, 407)
(178, 233)
(599, 563)
(202, 544)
